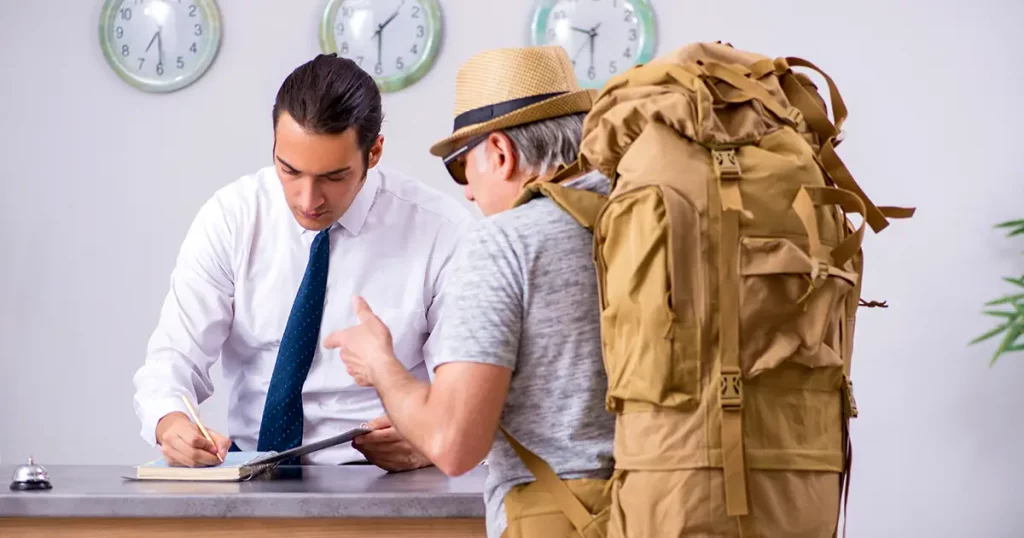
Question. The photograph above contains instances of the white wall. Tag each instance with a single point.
(93, 209)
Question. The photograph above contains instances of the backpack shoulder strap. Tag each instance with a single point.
(582, 205)
(546, 477)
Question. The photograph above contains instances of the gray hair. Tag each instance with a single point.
(545, 145)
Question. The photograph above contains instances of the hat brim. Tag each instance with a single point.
(562, 105)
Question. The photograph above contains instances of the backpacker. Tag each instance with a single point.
(730, 280)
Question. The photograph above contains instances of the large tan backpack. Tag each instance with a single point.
(730, 280)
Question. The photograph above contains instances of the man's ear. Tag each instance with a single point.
(376, 151)
(504, 154)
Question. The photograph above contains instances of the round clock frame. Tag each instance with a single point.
(645, 23)
(210, 36)
(407, 76)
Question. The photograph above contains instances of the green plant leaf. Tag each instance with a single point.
(991, 333)
(1006, 299)
(1015, 281)
(1000, 313)
(1010, 223)
(1009, 341)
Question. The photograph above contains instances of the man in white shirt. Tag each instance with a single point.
(269, 267)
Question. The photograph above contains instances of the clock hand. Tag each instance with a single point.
(581, 30)
(160, 43)
(152, 40)
(392, 17)
(380, 46)
(592, 35)
(578, 52)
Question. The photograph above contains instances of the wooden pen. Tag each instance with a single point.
(195, 418)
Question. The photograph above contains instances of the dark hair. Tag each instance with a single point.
(328, 95)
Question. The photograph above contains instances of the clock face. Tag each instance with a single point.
(395, 41)
(602, 37)
(160, 45)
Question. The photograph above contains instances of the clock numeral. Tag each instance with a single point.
(415, 49)
(347, 12)
(420, 31)
(612, 68)
(379, 69)
(160, 68)
(339, 29)
(193, 49)
(344, 47)
(119, 32)
(591, 73)
(629, 16)
(559, 15)
(193, 10)
(632, 35)
(126, 14)
(125, 51)
(359, 60)
(552, 35)
(628, 53)
(141, 61)
(615, 3)
(199, 29)
(181, 62)
(415, 12)
(399, 64)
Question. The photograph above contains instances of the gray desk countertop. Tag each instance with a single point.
(350, 491)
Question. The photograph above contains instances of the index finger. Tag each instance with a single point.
(335, 339)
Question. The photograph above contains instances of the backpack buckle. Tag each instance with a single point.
(819, 273)
(727, 165)
(732, 391)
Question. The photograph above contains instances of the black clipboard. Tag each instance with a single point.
(273, 458)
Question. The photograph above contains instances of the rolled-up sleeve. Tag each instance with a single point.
(194, 322)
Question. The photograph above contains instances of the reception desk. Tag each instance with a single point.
(321, 501)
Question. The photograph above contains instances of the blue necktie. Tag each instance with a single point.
(281, 427)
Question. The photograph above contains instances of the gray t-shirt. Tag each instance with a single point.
(523, 295)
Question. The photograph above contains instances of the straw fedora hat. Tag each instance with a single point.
(502, 88)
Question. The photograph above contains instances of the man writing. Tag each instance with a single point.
(521, 341)
(267, 268)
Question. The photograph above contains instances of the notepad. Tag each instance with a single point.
(240, 466)
(236, 466)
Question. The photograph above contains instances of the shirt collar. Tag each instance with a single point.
(356, 214)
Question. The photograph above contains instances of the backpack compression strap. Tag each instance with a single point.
(546, 477)
(582, 205)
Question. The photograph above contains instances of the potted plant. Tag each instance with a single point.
(1008, 309)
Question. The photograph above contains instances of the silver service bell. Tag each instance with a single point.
(30, 476)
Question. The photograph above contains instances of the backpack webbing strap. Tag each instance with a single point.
(731, 383)
(582, 205)
(546, 477)
(753, 89)
(827, 132)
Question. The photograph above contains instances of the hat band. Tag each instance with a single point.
(489, 112)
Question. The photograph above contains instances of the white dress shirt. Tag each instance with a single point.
(235, 279)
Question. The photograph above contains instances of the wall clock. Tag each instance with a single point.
(395, 41)
(602, 37)
(160, 45)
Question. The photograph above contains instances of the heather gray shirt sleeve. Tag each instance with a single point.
(483, 317)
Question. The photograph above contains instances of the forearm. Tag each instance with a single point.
(452, 421)
(409, 407)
